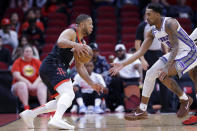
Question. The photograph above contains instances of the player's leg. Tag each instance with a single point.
(66, 96)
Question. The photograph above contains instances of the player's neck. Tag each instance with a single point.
(159, 23)
(80, 33)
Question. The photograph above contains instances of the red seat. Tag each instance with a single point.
(107, 15)
(82, 2)
(129, 45)
(47, 48)
(129, 15)
(54, 30)
(106, 30)
(43, 56)
(106, 39)
(130, 22)
(128, 30)
(51, 38)
(128, 38)
(129, 8)
(57, 16)
(55, 23)
(106, 23)
(106, 47)
(3, 66)
(104, 9)
(9, 47)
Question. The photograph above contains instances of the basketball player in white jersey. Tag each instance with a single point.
(181, 58)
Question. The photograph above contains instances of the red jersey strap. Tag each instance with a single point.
(78, 37)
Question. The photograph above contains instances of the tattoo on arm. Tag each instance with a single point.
(171, 30)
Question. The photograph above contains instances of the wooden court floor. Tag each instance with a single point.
(108, 122)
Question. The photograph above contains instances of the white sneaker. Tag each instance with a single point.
(60, 124)
(98, 110)
(82, 109)
(28, 117)
(74, 109)
(120, 108)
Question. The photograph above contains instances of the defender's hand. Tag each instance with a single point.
(116, 67)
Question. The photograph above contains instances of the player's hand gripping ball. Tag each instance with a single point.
(86, 57)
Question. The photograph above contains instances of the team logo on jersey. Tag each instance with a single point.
(29, 71)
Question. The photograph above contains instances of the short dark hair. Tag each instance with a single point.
(81, 18)
(155, 7)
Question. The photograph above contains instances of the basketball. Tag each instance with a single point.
(86, 58)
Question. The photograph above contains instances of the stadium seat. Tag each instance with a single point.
(3, 66)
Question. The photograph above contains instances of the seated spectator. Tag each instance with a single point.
(26, 79)
(51, 6)
(31, 15)
(18, 52)
(34, 34)
(101, 66)
(4, 54)
(8, 36)
(15, 23)
(181, 10)
(130, 75)
(85, 95)
(40, 18)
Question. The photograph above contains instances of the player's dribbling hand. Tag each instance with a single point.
(116, 67)
(98, 88)
(81, 49)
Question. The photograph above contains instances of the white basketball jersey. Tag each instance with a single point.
(184, 41)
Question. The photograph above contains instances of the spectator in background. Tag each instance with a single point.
(85, 95)
(51, 6)
(181, 10)
(101, 66)
(18, 52)
(26, 79)
(4, 54)
(29, 16)
(8, 36)
(15, 23)
(34, 34)
(40, 18)
(130, 75)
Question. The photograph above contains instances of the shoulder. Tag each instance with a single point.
(17, 61)
(13, 32)
(171, 23)
(36, 60)
(101, 57)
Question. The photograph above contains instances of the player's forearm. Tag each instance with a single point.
(137, 47)
(65, 43)
(18, 77)
(134, 57)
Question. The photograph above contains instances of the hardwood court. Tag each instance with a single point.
(108, 122)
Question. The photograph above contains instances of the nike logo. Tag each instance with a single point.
(137, 114)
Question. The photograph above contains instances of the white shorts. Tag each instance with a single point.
(185, 60)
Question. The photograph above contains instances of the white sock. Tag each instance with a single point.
(80, 101)
(143, 106)
(183, 97)
(97, 102)
(64, 102)
(48, 107)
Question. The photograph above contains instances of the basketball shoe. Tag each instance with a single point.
(184, 107)
(28, 117)
(191, 121)
(138, 114)
(60, 124)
